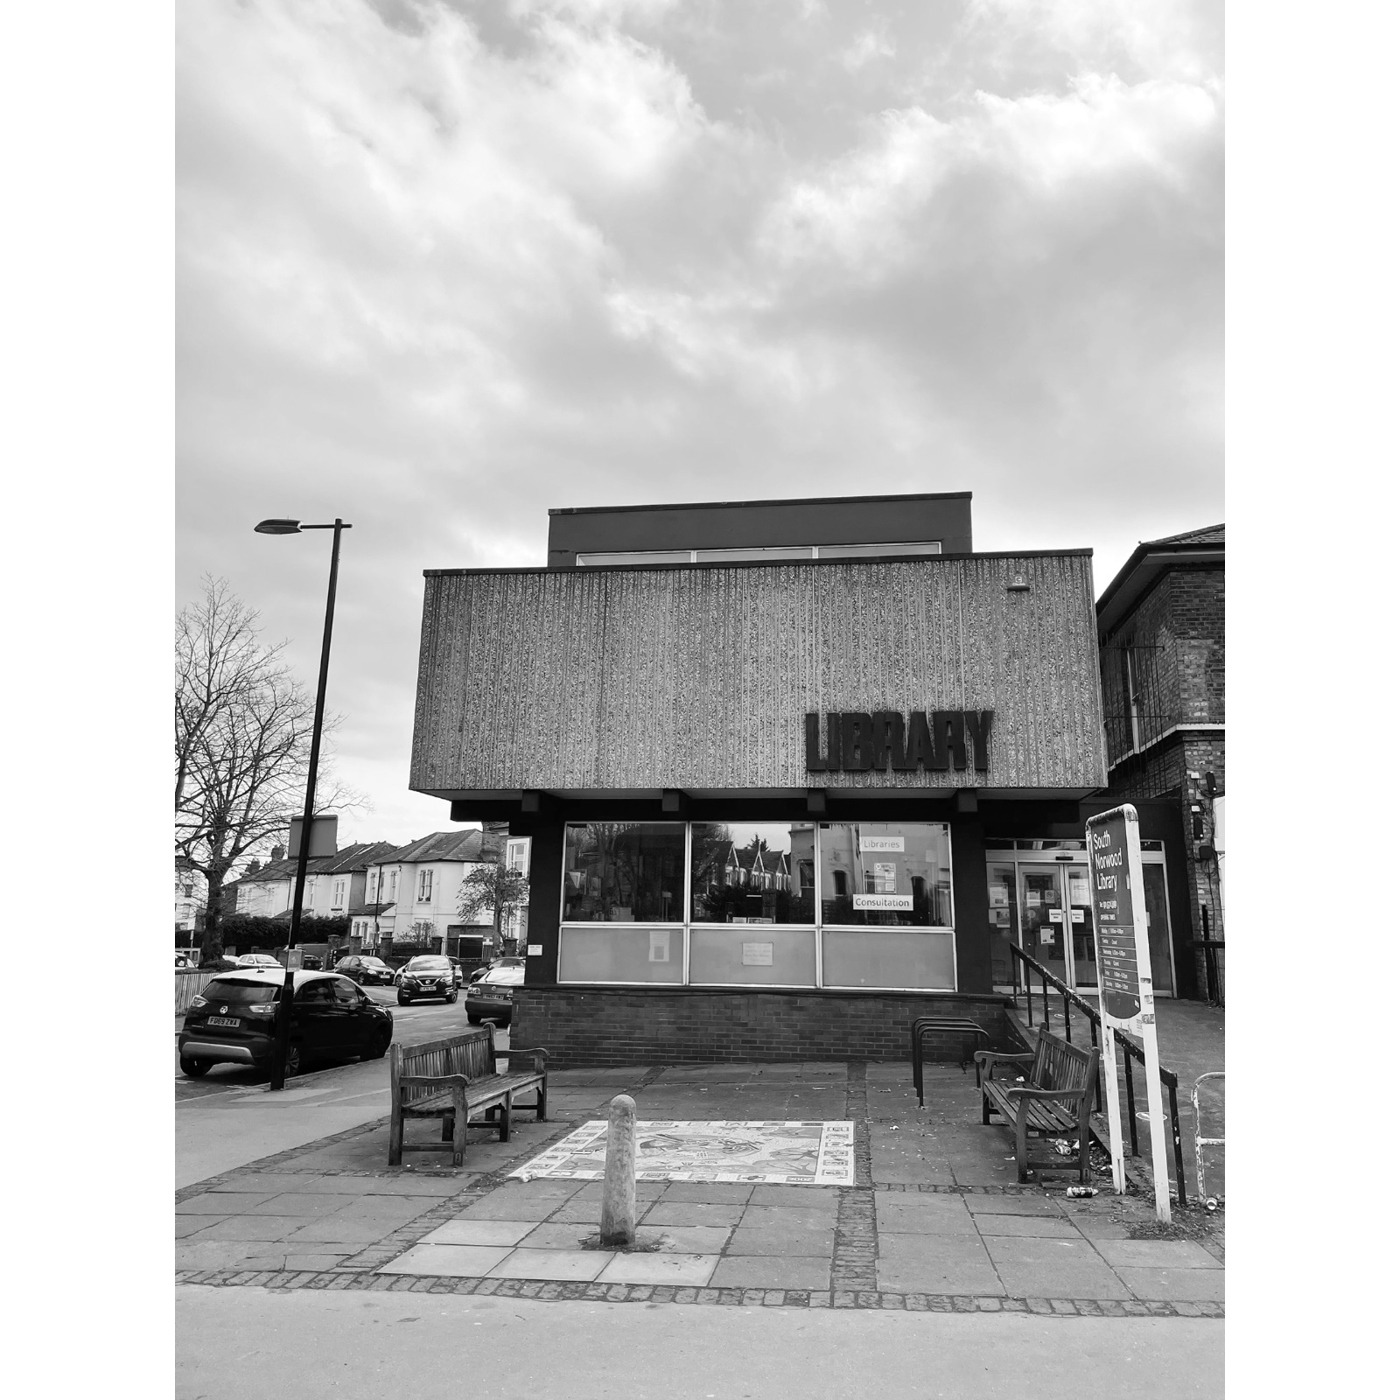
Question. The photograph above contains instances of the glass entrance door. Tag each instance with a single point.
(1042, 899)
(1056, 923)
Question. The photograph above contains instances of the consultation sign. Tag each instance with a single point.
(1124, 966)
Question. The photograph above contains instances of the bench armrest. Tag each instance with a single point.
(1069, 1095)
(538, 1051)
(987, 1060)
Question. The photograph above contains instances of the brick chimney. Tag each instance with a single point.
(278, 852)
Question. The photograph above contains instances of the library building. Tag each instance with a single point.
(793, 773)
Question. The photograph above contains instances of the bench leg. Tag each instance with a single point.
(541, 1102)
(505, 1118)
(395, 1137)
(986, 1109)
(448, 1119)
(1022, 1161)
(459, 1132)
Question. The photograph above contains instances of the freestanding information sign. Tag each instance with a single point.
(1125, 979)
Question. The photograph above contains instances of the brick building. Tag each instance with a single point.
(1162, 659)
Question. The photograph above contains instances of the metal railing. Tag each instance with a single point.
(1131, 1051)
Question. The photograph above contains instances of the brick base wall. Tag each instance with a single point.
(631, 1026)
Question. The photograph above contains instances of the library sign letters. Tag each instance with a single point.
(853, 741)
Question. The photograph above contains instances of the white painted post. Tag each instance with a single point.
(618, 1224)
(1111, 1108)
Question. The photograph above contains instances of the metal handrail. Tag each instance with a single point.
(1131, 1051)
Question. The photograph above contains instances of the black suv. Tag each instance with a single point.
(234, 1021)
(366, 970)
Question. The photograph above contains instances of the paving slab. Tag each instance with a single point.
(223, 1202)
(1156, 1254)
(505, 1205)
(1020, 1203)
(307, 1203)
(557, 1235)
(190, 1224)
(313, 1263)
(584, 1212)
(922, 1213)
(489, 1232)
(337, 1229)
(1038, 1268)
(806, 1197)
(1041, 1226)
(667, 1212)
(686, 1239)
(257, 1183)
(447, 1260)
(709, 1192)
(692, 1269)
(936, 1264)
(781, 1241)
(759, 1271)
(820, 1217)
(556, 1264)
(252, 1227)
(1177, 1285)
(215, 1254)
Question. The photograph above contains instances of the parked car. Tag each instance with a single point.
(182, 960)
(492, 998)
(366, 970)
(234, 1020)
(495, 963)
(428, 976)
(257, 960)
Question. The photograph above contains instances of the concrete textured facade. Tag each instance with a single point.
(699, 677)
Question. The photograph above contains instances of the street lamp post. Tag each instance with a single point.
(284, 1009)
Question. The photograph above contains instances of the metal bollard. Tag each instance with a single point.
(618, 1224)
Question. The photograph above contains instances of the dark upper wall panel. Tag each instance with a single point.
(746, 524)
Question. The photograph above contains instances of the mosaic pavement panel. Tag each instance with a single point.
(794, 1154)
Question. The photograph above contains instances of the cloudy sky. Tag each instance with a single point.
(442, 266)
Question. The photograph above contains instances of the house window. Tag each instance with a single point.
(393, 885)
(338, 895)
(425, 886)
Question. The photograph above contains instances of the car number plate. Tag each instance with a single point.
(222, 1021)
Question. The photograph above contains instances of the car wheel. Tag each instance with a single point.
(292, 1065)
(377, 1049)
(194, 1068)
(473, 1020)
(451, 997)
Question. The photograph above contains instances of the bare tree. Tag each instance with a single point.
(494, 889)
(242, 743)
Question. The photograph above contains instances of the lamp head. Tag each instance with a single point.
(277, 527)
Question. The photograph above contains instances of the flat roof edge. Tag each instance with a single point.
(781, 563)
(786, 501)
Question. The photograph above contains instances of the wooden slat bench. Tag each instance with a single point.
(1053, 1099)
(451, 1079)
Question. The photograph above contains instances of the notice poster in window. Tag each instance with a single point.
(882, 843)
(1047, 933)
(758, 955)
(660, 945)
(998, 896)
(884, 877)
(1078, 887)
(883, 901)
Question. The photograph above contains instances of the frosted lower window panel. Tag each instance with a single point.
(626, 953)
(753, 955)
(880, 958)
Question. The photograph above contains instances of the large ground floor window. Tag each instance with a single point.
(758, 904)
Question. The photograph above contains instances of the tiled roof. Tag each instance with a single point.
(1208, 534)
(356, 857)
(447, 845)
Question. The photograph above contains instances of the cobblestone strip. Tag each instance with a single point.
(853, 1255)
(856, 1298)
